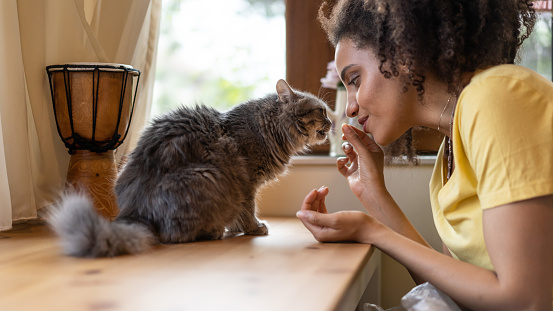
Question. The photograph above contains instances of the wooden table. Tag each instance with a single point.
(286, 270)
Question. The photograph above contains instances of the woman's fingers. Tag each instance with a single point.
(360, 140)
(359, 146)
(349, 151)
(321, 195)
(351, 157)
(315, 200)
(319, 233)
(309, 200)
(341, 163)
(317, 224)
(339, 226)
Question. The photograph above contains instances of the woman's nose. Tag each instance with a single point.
(352, 107)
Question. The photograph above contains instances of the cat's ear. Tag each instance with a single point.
(284, 91)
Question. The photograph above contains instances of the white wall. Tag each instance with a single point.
(407, 184)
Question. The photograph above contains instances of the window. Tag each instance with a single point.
(225, 52)
(218, 53)
(536, 51)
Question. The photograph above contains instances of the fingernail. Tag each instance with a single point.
(300, 214)
(347, 146)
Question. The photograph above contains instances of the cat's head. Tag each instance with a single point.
(307, 113)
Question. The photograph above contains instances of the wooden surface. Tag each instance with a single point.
(286, 270)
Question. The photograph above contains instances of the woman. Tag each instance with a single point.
(447, 65)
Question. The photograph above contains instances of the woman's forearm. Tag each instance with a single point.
(383, 207)
(469, 285)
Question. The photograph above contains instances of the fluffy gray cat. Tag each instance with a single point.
(194, 173)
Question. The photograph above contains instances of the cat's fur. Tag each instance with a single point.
(195, 172)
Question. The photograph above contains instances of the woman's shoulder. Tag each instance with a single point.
(505, 101)
(503, 131)
(505, 70)
(510, 87)
(508, 77)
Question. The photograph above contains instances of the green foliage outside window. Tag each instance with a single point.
(536, 51)
(220, 53)
(235, 73)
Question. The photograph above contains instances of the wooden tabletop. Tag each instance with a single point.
(286, 270)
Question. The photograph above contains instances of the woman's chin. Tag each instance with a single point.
(383, 141)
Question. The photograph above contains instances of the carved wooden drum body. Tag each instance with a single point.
(93, 106)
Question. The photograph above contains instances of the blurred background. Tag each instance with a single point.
(219, 53)
(222, 53)
(536, 51)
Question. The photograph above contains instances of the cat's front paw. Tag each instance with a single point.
(260, 230)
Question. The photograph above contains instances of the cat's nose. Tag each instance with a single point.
(328, 124)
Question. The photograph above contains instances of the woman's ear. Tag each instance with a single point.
(284, 91)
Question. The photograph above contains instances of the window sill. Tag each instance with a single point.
(331, 161)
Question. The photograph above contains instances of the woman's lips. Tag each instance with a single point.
(363, 122)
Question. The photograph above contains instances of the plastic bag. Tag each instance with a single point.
(424, 297)
(427, 297)
(371, 307)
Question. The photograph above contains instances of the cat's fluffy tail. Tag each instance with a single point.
(84, 233)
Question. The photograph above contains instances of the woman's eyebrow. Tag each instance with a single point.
(343, 72)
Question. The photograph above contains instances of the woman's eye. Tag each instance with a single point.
(354, 81)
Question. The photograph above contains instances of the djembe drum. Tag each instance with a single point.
(93, 106)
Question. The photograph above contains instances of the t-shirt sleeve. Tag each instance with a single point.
(506, 128)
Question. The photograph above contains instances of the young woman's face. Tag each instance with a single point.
(379, 103)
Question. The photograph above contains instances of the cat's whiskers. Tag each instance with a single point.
(323, 93)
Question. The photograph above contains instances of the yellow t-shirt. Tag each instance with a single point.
(503, 153)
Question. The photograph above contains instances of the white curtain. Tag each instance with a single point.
(38, 33)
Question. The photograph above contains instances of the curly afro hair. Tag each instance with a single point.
(439, 37)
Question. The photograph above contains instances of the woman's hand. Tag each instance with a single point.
(341, 226)
(366, 172)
